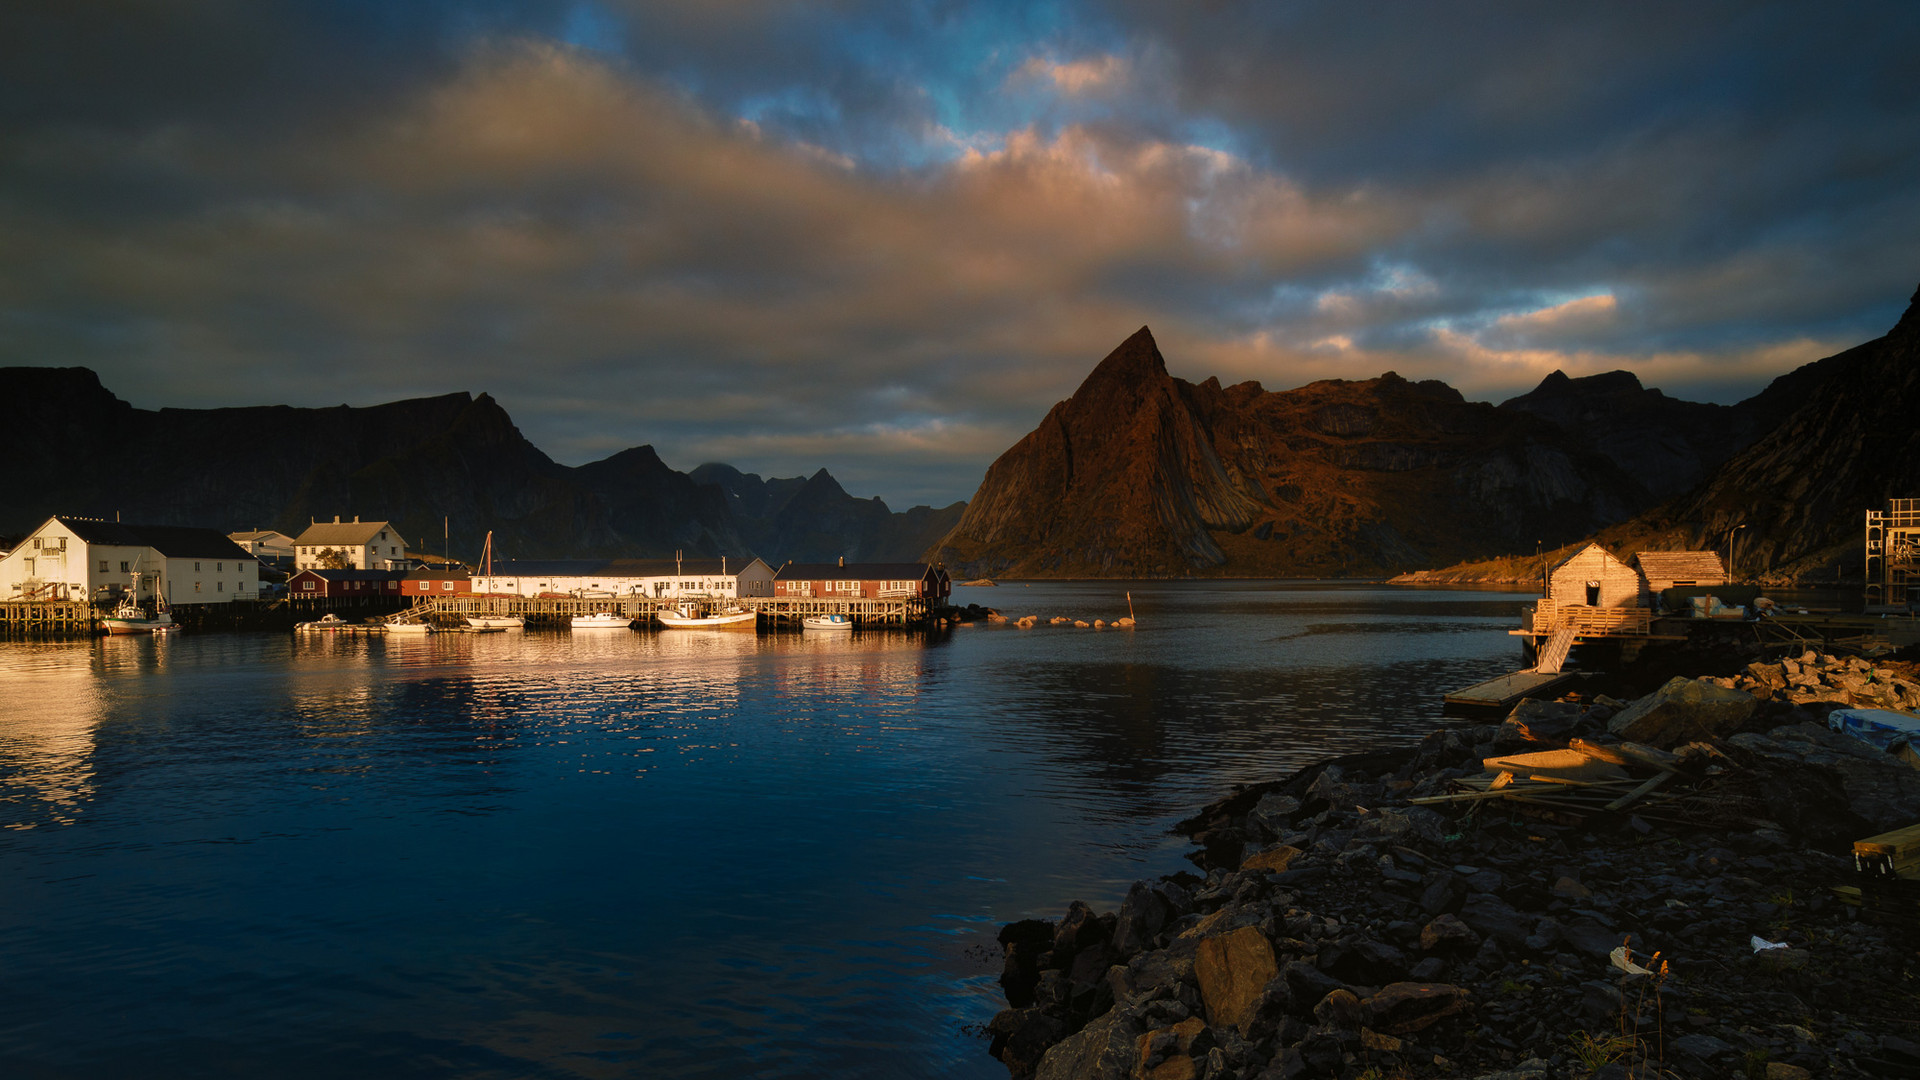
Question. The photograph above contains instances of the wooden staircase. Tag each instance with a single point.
(1553, 651)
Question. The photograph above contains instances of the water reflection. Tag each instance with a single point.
(677, 854)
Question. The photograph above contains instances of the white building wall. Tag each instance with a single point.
(609, 585)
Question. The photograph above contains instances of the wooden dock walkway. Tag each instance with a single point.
(1507, 690)
(41, 616)
(773, 611)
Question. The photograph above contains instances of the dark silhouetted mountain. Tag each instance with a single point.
(1143, 474)
(1802, 488)
(813, 519)
(445, 470)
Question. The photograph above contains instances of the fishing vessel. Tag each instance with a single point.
(691, 617)
(601, 620)
(493, 622)
(130, 618)
(827, 622)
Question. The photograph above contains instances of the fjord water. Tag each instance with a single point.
(659, 854)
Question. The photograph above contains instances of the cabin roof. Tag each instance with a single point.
(1583, 551)
(1682, 565)
(171, 541)
(872, 571)
(333, 533)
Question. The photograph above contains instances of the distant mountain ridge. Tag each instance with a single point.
(73, 447)
(1142, 474)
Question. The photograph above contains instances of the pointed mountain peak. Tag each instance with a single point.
(1137, 359)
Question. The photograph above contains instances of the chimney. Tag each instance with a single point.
(843, 562)
(356, 519)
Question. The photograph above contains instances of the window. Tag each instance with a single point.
(446, 586)
(196, 585)
(103, 566)
(219, 567)
(125, 566)
(307, 586)
(219, 586)
(196, 568)
(36, 543)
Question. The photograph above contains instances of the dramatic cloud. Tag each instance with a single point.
(886, 238)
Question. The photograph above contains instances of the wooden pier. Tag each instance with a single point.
(773, 611)
(1507, 690)
(43, 616)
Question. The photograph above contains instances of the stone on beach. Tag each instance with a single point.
(1233, 970)
(1682, 711)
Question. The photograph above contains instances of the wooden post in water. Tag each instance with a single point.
(1130, 605)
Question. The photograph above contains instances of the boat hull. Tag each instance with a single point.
(743, 620)
(138, 626)
(591, 622)
(827, 622)
(496, 622)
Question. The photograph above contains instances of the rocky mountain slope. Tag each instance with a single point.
(1143, 474)
(73, 447)
(1801, 490)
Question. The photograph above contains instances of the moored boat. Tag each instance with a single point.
(601, 620)
(689, 617)
(334, 624)
(496, 622)
(130, 618)
(827, 622)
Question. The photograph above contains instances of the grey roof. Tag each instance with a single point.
(703, 565)
(349, 533)
(171, 541)
(1684, 565)
(870, 571)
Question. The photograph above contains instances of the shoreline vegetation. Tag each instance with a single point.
(1662, 891)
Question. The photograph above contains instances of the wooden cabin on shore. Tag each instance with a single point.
(1593, 593)
(1665, 570)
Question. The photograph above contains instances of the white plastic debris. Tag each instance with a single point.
(1622, 959)
(1761, 944)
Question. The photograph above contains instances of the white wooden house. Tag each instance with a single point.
(74, 558)
(1595, 593)
(361, 545)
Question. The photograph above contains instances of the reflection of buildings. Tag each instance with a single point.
(57, 697)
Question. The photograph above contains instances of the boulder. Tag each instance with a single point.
(1403, 1008)
(1143, 914)
(1103, 1050)
(1829, 787)
(1340, 1010)
(1681, 711)
(1233, 970)
(1167, 1053)
(1274, 860)
(1021, 1037)
(1446, 933)
(1081, 928)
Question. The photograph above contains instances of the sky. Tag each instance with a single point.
(886, 237)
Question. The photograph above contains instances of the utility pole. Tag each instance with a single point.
(1732, 539)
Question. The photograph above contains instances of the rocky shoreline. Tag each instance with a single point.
(1407, 913)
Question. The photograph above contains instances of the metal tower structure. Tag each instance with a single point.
(1893, 552)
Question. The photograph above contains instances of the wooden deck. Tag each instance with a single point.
(65, 616)
(774, 611)
(1507, 690)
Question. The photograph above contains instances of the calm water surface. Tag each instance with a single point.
(618, 854)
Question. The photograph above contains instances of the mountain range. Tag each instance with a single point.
(1140, 474)
(1137, 474)
(445, 470)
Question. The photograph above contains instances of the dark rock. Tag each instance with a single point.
(1339, 1009)
(1495, 918)
(1429, 970)
(1103, 1050)
(1364, 961)
(1702, 1048)
(1404, 1008)
(1233, 971)
(1021, 1037)
(1306, 985)
(1080, 929)
(1143, 914)
(1443, 894)
(1023, 943)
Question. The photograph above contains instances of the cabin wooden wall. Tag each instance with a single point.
(1620, 585)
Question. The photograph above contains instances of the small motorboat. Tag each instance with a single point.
(331, 623)
(835, 621)
(601, 620)
(409, 628)
(689, 617)
(496, 622)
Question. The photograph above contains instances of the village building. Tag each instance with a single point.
(337, 585)
(1665, 570)
(719, 578)
(862, 581)
(1591, 592)
(75, 558)
(425, 584)
(270, 546)
(353, 545)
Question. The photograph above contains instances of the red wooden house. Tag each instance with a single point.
(345, 585)
(423, 584)
(862, 581)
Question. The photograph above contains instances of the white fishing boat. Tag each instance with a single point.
(409, 628)
(691, 617)
(827, 622)
(334, 624)
(601, 620)
(493, 622)
(130, 618)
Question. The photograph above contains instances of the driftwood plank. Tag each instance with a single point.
(1633, 796)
